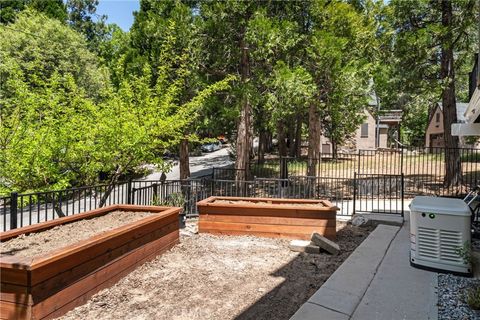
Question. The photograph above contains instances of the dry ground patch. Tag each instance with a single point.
(220, 277)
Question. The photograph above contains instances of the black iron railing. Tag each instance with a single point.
(424, 169)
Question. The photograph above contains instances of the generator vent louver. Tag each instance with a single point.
(439, 244)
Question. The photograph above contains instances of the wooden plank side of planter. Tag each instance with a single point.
(63, 279)
(49, 286)
(83, 251)
(17, 311)
(259, 219)
(7, 235)
(79, 292)
(293, 236)
(288, 212)
(4, 236)
(277, 231)
(210, 200)
(15, 293)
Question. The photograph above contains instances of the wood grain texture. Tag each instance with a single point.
(275, 219)
(7, 235)
(48, 286)
(80, 291)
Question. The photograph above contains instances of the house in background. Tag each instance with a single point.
(368, 136)
(434, 135)
(471, 126)
(374, 133)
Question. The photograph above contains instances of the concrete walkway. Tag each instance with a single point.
(376, 282)
(399, 291)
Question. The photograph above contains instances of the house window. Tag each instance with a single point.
(364, 130)
(437, 117)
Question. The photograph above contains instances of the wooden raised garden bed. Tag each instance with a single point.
(49, 285)
(275, 218)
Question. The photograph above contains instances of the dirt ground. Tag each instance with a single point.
(220, 277)
(264, 203)
(40, 243)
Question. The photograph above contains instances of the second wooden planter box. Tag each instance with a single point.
(275, 218)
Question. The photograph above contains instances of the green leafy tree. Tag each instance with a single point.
(54, 133)
(432, 41)
(338, 60)
(9, 9)
(83, 18)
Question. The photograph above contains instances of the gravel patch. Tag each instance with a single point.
(220, 277)
(451, 301)
(40, 243)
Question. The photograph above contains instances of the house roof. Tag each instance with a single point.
(461, 108)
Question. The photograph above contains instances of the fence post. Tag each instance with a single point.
(402, 191)
(13, 210)
(129, 191)
(354, 190)
(155, 195)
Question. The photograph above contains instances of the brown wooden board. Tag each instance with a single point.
(4, 236)
(274, 219)
(294, 221)
(115, 270)
(46, 267)
(10, 310)
(62, 279)
(57, 282)
(275, 230)
(289, 212)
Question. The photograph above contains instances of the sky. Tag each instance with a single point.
(119, 11)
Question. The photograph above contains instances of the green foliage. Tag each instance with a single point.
(176, 199)
(60, 126)
(83, 18)
(473, 298)
(416, 38)
(34, 48)
(290, 92)
(54, 9)
(338, 60)
(465, 252)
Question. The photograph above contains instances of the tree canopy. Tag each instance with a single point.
(81, 98)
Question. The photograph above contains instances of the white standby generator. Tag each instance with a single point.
(439, 230)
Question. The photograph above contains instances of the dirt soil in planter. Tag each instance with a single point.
(42, 242)
(220, 277)
(264, 203)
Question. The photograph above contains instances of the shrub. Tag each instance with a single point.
(473, 298)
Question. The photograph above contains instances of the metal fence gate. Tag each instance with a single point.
(378, 193)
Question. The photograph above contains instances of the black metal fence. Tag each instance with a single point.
(19, 210)
(378, 193)
(424, 169)
(368, 181)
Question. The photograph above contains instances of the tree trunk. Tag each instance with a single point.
(184, 160)
(334, 150)
(291, 139)
(262, 145)
(111, 185)
(298, 137)
(453, 169)
(242, 164)
(313, 139)
(282, 146)
(269, 142)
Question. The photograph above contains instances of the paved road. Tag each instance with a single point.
(199, 166)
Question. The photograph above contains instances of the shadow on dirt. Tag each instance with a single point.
(303, 275)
